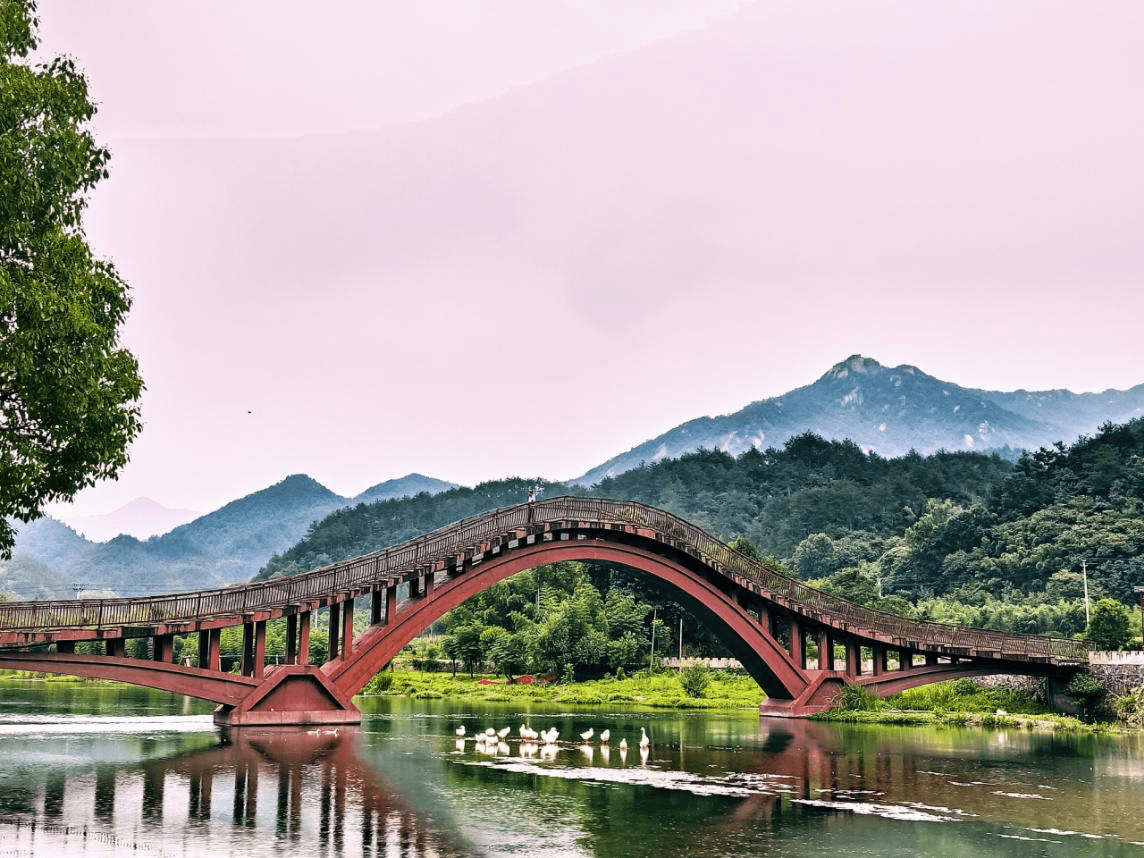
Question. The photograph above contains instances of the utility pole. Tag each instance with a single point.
(681, 643)
(651, 658)
(1084, 573)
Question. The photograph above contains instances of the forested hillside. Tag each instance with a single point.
(961, 537)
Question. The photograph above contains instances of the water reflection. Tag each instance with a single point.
(295, 792)
(711, 785)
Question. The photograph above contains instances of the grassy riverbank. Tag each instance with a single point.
(955, 704)
(960, 703)
(663, 690)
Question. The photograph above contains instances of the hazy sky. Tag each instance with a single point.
(499, 238)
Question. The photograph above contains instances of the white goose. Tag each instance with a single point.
(604, 736)
(587, 734)
(644, 740)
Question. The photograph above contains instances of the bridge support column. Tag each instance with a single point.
(390, 604)
(209, 649)
(797, 644)
(879, 653)
(931, 659)
(905, 659)
(335, 630)
(376, 605)
(116, 647)
(254, 648)
(825, 649)
(259, 649)
(853, 658)
(163, 648)
(65, 646)
(347, 627)
(292, 639)
(304, 638)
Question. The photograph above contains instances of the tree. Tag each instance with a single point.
(68, 393)
(1109, 627)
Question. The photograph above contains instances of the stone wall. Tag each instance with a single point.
(1118, 678)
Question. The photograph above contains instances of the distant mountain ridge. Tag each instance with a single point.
(890, 411)
(220, 548)
(141, 518)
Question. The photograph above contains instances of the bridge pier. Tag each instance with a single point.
(290, 695)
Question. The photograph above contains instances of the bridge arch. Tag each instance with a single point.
(761, 655)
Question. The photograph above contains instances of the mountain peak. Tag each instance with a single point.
(855, 364)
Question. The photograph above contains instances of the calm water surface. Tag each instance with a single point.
(111, 770)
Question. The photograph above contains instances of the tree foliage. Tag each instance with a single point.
(68, 393)
(1110, 625)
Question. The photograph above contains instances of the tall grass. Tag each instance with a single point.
(964, 695)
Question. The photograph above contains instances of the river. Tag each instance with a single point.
(90, 770)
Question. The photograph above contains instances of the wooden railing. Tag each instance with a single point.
(489, 528)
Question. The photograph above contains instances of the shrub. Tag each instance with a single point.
(855, 698)
(695, 680)
(1129, 707)
(1087, 692)
(965, 686)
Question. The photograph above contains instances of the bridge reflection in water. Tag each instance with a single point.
(709, 788)
(287, 792)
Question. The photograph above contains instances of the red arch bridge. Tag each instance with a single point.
(764, 617)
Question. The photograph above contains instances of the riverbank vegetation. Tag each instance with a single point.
(966, 703)
(694, 687)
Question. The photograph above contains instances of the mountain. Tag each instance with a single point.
(890, 411)
(221, 548)
(405, 487)
(141, 518)
(1076, 413)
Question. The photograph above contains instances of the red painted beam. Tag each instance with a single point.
(176, 678)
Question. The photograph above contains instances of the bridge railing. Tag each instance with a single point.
(470, 534)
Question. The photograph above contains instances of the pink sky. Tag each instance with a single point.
(485, 239)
